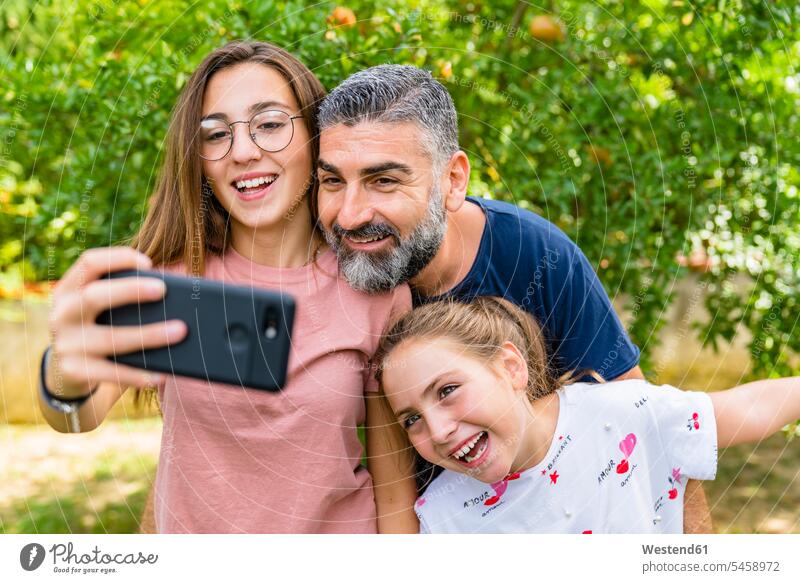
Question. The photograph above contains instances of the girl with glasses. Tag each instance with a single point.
(236, 202)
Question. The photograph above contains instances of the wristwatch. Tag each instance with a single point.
(69, 407)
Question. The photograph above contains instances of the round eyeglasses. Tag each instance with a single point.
(271, 130)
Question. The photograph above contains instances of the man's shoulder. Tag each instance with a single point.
(507, 221)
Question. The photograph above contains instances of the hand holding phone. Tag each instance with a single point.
(80, 346)
(236, 335)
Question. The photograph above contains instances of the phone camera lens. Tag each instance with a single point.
(271, 324)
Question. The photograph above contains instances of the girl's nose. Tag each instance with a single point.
(441, 426)
(244, 149)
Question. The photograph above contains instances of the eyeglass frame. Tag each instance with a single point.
(250, 133)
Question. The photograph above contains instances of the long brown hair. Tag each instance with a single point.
(480, 327)
(185, 221)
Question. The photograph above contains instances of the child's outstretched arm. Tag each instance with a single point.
(751, 412)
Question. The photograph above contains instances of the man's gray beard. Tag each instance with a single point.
(380, 272)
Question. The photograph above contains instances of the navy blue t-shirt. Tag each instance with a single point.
(532, 263)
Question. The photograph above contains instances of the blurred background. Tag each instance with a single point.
(661, 136)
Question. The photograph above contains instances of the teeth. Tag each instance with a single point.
(368, 239)
(468, 446)
(478, 454)
(255, 182)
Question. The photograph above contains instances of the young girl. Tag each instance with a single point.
(525, 453)
(236, 202)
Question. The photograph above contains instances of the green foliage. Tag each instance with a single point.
(649, 131)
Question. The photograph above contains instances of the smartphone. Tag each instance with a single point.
(237, 335)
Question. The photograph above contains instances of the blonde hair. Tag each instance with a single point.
(480, 327)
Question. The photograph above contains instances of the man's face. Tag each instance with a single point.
(380, 202)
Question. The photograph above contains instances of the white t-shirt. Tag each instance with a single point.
(618, 463)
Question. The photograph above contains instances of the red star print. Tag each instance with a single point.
(544, 472)
(560, 437)
(554, 476)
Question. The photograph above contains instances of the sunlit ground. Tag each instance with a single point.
(757, 488)
(90, 483)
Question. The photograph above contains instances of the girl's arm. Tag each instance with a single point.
(390, 460)
(91, 413)
(751, 412)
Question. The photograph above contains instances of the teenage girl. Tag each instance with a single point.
(524, 452)
(236, 203)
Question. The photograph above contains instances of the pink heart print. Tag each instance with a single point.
(500, 487)
(626, 445)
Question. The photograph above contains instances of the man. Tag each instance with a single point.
(393, 205)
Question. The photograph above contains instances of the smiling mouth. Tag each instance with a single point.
(366, 238)
(254, 185)
(473, 449)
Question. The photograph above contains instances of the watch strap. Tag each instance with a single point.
(67, 406)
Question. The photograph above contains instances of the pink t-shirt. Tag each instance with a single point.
(239, 460)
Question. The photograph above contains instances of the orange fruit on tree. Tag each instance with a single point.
(546, 28)
(697, 261)
(446, 70)
(600, 155)
(342, 16)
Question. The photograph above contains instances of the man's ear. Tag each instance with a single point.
(455, 181)
(514, 365)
